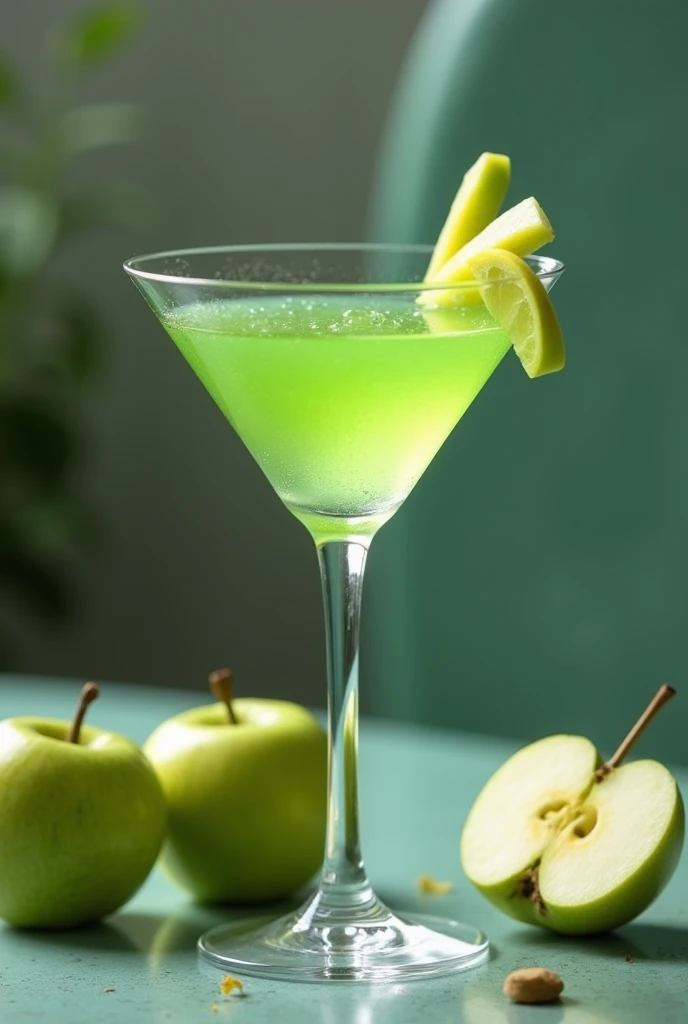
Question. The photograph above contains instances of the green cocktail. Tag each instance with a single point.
(343, 372)
(343, 405)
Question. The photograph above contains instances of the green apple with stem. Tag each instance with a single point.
(245, 782)
(561, 839)
(82, 819)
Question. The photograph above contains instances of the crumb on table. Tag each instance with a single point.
(431, 887)
(229, 984)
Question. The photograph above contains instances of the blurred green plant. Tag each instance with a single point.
(51, 335)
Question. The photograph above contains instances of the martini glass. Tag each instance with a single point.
(343, 374)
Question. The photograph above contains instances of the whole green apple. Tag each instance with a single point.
(82, 819)
(245, 783)
(559, 839)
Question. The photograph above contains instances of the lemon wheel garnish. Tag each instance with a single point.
(518, 301)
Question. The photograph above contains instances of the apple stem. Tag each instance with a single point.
(221, 683)
(664, 694)
(89, 692)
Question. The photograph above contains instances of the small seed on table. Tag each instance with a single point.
(533, 985)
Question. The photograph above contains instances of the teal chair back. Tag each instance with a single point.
(536, 581)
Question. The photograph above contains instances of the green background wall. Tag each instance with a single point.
(536, 579)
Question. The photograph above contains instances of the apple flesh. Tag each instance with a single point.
(553, 841)
(81, 823)
(247, 801)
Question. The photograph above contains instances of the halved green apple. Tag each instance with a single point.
(558, 839)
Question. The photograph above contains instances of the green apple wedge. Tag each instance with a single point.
(476, 204)
(82, 819)
(245, 782)
(557, 838)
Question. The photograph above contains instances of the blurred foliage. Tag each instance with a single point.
(51, 334)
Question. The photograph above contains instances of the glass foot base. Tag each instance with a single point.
(388, 948)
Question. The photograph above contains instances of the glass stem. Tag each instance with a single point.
(344, 882)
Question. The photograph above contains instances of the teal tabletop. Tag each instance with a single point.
(417, 785)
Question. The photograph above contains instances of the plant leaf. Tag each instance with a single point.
(107, 207)
(95, 35)
(42, 585)
(28, 228)
(14, 160)
(52, 524)
(39, 441)
(9, 83)
(81, 330)
(100, 124)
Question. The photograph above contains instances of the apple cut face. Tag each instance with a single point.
(608, 864)
(549, 843)
(518, 813)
